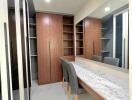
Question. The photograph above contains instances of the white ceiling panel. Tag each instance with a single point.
(59, 6)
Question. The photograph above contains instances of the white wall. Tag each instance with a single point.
(113, 4)
(87, 9)
(130, 49)
(95, 8)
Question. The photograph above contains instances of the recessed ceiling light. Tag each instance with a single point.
(47, 1)
(107, 9)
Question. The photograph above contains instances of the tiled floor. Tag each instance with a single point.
(52, 92)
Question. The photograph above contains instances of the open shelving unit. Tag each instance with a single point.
(68, 35)
(33, 47)
(80, 39)
(104, 40)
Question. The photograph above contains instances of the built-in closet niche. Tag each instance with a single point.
(33, 48)
(80, 38)
(68, 35)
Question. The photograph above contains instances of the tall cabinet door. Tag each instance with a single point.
(88, 39)
(56, 46)
(92, 37)
(97, 36)
(43, 47)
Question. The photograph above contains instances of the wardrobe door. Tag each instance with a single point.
(56, 46)
(43, 47)
(96, 36)
(92, 37)
(88, 39)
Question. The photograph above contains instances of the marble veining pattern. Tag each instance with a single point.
(106, 85)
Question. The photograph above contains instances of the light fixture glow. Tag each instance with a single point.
(47, 1)
(107, 9)
(46, 20)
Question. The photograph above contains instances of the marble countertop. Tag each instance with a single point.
(111, 86)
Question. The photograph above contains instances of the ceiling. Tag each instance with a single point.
(59, 6)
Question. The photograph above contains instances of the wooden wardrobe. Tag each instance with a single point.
(92, 37)
(49, 47)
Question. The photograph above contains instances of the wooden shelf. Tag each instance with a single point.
(103, 51)
(68, 32)
(32, 24)
(33, 55)
(105, 38)
(33, 37)
(79, 32)
(68, 47)
(68, 39)
(68, 24)
(79, 39)
(103, 28)
(79, 47)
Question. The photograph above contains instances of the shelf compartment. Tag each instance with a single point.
(32, 32)
(79, 25)
(68, 44)
(79, 43)
(68, 36)
(68, 51)
(67, 29)
(33, 46)
(79, 36)
(79, 29)
(34, 65)
(79, 51)
(67, 19)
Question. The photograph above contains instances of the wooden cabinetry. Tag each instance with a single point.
(50, 47)
(92, 37)
(68, 35)
(80, 39)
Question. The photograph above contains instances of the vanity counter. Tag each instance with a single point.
(110, 82)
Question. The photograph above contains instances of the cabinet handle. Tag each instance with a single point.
(93, 48)
(50, 59)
